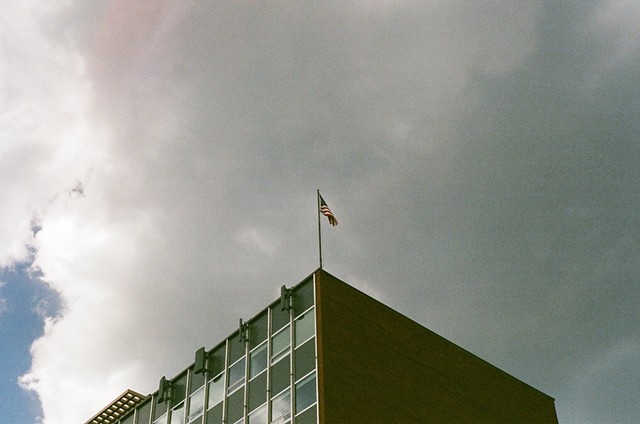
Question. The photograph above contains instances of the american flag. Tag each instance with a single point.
(324, 210)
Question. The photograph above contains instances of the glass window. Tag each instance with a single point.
(235, 406)
(304, 327)
(179, 389)
(197, 381)
(236, 375)
(128, 420)
(305, 393)
(258, 330)
(305, 359)
(236, 348)
(280, 344)
(279, 318)
(216, 390)
(161, 420)
(303, 297)
(280, 376)
(309, 416)
(160, 409)
(177, 414)
(214, 415)
(257, 391)
(258, 360)
(196, 404)
(216, 360)
(259, 416)
(144, 411)
(281, 408)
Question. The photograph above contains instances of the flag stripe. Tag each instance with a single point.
(324, 210)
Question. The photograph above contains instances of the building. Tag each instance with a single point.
(327, 353)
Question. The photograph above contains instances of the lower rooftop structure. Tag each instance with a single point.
(325, 352)
(112, 413)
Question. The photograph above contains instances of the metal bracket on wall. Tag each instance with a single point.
(285, 298)
(243, 331)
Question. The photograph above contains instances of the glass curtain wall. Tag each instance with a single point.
(263, 374)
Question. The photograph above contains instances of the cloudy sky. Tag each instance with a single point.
(159, 162)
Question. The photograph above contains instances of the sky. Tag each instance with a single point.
(159, 163)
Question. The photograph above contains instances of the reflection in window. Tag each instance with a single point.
(304, 327)
(280, 345)
(259, 416)
(177, 414)
(236, 375)
(258, 361)
(305, 393)
(196, 404)
(161, 420)
(281, 408)
(179, 389)
(216, 390)
(303, 296)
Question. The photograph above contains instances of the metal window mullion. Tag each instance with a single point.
(226, 381)
(152, 411)
(170, 403)
(187, 399)
(247, 345)
(205, 401)
(291, 358)
(269, 348)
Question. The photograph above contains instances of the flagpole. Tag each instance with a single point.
(319, 231)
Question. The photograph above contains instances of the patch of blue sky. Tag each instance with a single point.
(25, 301)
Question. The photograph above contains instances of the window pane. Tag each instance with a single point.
(279, 318)
(196, 403)
(280, 376)
(144, 411)
(160, 409)
(214, 415)
(281, 408)
(216, 360)
(216, 390)
(161, 420)
(258, 361)
(259, 416)
(280, 344)
(179, 389)
(305, 393)
(257, 391)
(258, 330)
(236, 375)
(304, 327)
(235, 406)
(236, 348)
(128, 420)
(305, 357)
(303, 296)
(307, 417)
(177, 414)
(197, 381)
